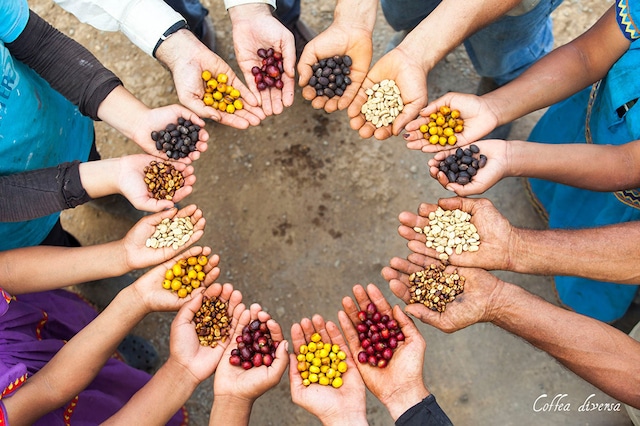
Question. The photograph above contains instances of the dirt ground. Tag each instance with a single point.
(300, 209)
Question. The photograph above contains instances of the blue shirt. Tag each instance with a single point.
(38, 127)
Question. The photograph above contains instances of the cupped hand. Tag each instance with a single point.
(400, 384)
(156, 119)
(156, 298)
(237, 384)
(139, 256)
(497, 236)
(187, 62)
(338, 39)
(411, 79)
(131, 182)
(479, 120)
(185, 348)
(477, 302)
(263, 31)
(495, 169)
(343, 405)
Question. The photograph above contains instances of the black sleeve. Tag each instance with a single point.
(38, 193)
(425, 413)
(68, 67)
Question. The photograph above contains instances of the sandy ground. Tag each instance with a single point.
(300, 209)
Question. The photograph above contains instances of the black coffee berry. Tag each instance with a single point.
(462, 166)
(177, 140)
(331, 76)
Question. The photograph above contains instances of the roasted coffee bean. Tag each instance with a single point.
(175, 136)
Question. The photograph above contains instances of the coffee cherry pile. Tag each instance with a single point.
(218, 94)
(162, 179)
(185, 275)
(212, 322)
(331, 76)
(443, 126)
(270, 73)
(177, 140)
(379, 336)
(255, 346)
(321, 363)
(435, 288)
(462, 166)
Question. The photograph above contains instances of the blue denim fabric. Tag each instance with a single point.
(502, 50)
(288, 11)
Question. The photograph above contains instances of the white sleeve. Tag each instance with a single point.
(142, 21)
(231, 3)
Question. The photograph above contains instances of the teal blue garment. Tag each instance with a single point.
(38, 127)
(569, 207)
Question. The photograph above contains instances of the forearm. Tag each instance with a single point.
(60, 266)
(566, 70)
(606, 253)
(595, 351)
(123, 111)
(38, 193)
(361, 13)
(448, 26)
(230, 411)
(53, 386)
(597, 167)
(172, 384)
(68, 67)
(403, 400)
(100, 178)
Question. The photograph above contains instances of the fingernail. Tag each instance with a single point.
(406, 135)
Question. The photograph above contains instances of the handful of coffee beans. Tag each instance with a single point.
(443, 126)
(162, 179)
(321, 362)
(213, 324)
(331, 76)
(270, 73)
(434, 288)
(177, 140)
(462, 166)
(379, 336)
(185, 275)
(255, 346)
(218, 94)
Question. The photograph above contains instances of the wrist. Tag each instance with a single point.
(365, 11)
(249, 11)
(178, 48)
(347, 418)
(233, 409)
(400, 402)
(180, 25)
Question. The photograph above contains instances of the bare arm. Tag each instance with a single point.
(595, 351)
(566, 70)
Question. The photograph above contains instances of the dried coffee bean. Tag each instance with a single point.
(384, 103)
(434, 288)
(329, 73)
(450, 231)
(463, 165)
(172, 233)
(213, 324)
(162, 179)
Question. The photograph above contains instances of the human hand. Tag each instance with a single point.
(138, 255)
(399, 385)
(497, 236)
(479, 120)
(156, 119)
(332, 406)
(479, 302)
(236, 388)
(155, 298)
(188, 58)
(339, 39)
(185, 348)
(256, 28)
(131, 184)
(496, 168)
(411, 79)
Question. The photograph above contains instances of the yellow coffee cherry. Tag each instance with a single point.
(206, 75)
(222, 78)
(442, 126)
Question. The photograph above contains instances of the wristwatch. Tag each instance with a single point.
(170, 31)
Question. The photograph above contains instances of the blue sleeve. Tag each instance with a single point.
(14, 15)
(626, 11)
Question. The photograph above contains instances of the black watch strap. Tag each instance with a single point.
(171, 30)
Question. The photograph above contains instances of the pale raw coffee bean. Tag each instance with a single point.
(384, 103)
(450, 231)
(171, 233)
